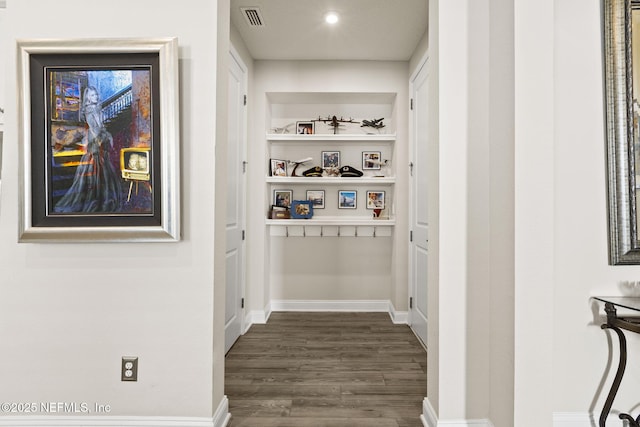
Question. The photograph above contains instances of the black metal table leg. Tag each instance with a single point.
(612, 322)
(618, 378)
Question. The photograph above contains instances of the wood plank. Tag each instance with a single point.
(326, 369)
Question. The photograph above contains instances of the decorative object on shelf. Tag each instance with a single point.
(373, 123)
(315, 171)
(279, 212)
(278, 167)
(282, 130)
(334, 122)
(330, 159)
(297, 163)
(316, 197)
(305, 128)
(332, 172)
(347, 199)
(301, 209)
(99, 96)
(282, 198)
(350, 172)
(375, 200)
(371, 160)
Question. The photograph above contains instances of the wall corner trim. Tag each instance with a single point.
(429, 418)
(222, 416)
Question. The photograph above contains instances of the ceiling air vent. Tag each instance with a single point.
(253, 16)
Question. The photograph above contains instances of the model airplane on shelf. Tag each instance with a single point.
(334, 122)
(297, 163)
(375, 123)
(284, 129)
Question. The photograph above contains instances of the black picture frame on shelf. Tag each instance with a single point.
(330, 159)
(371, 160)
(316, 197)
(305, 128)
(282, 198)
(347, 199)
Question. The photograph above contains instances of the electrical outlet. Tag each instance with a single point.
(129, 369)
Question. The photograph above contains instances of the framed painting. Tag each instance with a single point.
(99, 140)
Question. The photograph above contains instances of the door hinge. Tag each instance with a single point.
(410, 302)
(244, 166)
(245, 100)
(241, 302)
(243, 235)
(411, 235)
(411, 104)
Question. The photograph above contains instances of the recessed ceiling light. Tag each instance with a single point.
(331, 18)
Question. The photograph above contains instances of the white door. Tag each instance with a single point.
(235, 264)
(419, 234)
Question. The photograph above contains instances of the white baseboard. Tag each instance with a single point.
(582, 419)
(331, 305)
(222, 416)
(61, 421)
(398, 317)
(258, 317)
(430, 419)
(220, 419)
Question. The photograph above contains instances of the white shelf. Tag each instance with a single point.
(337, 221)
(330, 137)
(329, 180)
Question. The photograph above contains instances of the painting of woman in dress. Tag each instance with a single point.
(97, 186)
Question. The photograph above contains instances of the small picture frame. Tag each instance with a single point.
(330, 159)
(375, 200)
(282, 198)
(278, 167)
(347, 199)
(316, 197)
(305, 128)
(371, 160)
(301, 209)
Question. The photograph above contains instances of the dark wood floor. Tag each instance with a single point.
(326, 369)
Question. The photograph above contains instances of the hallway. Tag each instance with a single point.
(326, 369)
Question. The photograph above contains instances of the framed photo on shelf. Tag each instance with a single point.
(316, 197)
(99, 140)
(301, 209)
(371, 160)
(278, 167)
(282, 198)
(330, 159)
(305, 128)
(347, 199)
(375, 200)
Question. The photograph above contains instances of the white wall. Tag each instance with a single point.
(69, 312)
(580, 245)
(471, 287)
(325, 76)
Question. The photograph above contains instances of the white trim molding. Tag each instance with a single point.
(220, 419)
(58, 421)
(582, 419)
(430, 419)
(331, 305)
(398, 317)
(222, 416)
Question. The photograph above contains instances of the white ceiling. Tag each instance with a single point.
(367, 30)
